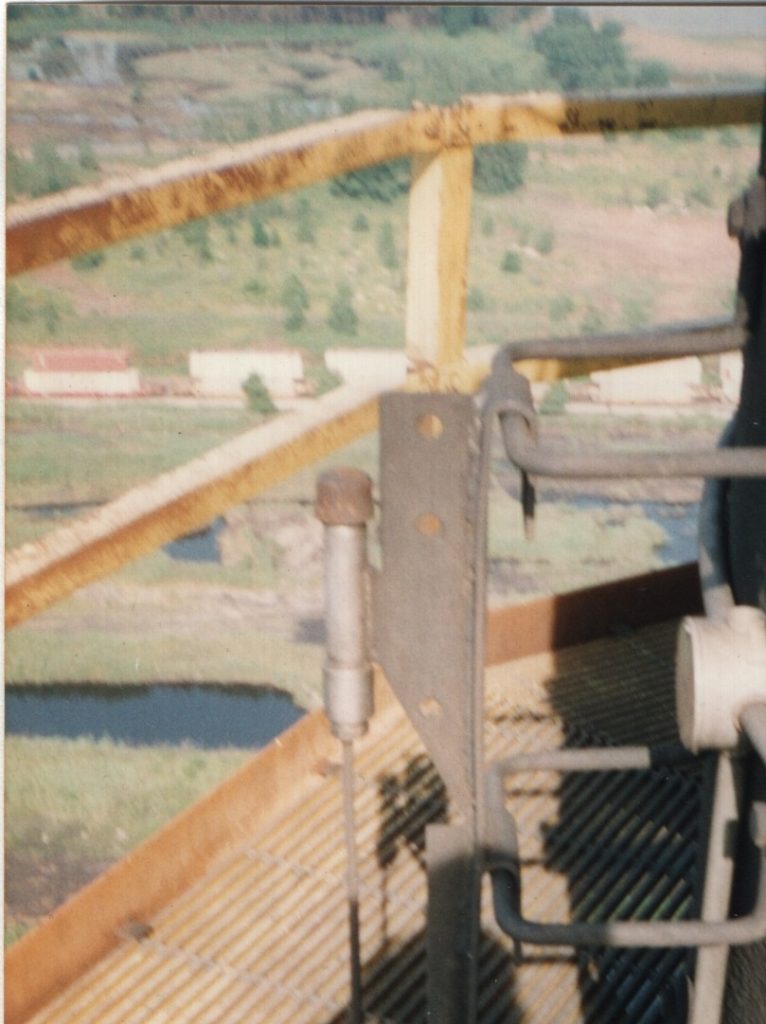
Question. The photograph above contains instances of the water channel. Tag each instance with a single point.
(210, 716)
(205, 716)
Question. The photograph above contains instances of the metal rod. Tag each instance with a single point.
(648, 934)
(753, 721)
(355, 1009)
(596, 759)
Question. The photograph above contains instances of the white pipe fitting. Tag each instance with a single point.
(720, 669)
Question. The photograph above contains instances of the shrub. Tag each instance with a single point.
(392, 70)
(276, 239)
(257, 395)
(488, 226)
(343, 318)
(138, 253)
(295, 300)
(593, 322)
(305, 230)
(360, 223)
(699, 195)
(634, 313)
(457, 19)
(88, 261)
(511, 262)
(17, 307)
(86, 157)
(322, 379)
(50, 315)
(544, 241)
(500, 168)
(382, 183)
(555, 399)
(47, 172)
(652, 74)
(260, 235)
(196, 234)
(561, 307)
(387, 246)
(477, 300)
(729, 138)
(254, 286)
(579, 56)
(656, 194)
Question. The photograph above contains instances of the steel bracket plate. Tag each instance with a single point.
(424, 606)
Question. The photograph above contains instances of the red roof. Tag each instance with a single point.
(80, 360)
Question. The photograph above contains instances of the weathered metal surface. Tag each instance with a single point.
(485, 119)
(453, 906)
(344, 504)
(509, 394)
(180, 501)
(437, 259)
(84, 219)
(721, 823)
(260, 934)
(424, 596)
(344, 497)
(426, 642)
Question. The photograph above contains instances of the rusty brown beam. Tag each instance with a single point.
(85, 219)
(178, 502)
(85, 928)
(564, 619)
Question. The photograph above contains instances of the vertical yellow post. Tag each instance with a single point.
(437, 268)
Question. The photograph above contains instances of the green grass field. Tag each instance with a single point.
(74, 806)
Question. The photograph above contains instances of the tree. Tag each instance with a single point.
(257, 395)
(343, 318)
(387, 246)
(500, 168)
(652, 74)
(305, 230)
(260, 234)
(579, 56)
(87, 158)
(511, 262)
(382, 182)
(295, 300)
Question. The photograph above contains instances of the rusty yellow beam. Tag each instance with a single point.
(437, 258)
(178, 502)
(486, 119)
(84, 219)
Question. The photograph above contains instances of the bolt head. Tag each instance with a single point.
(344, 497)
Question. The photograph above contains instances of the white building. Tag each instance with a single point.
(81, 372)
(368, 367)
(673, 382)
(222, 373)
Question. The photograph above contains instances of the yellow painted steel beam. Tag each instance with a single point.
(178, 502)
(437, 258)
(486, 119)
(84, 219)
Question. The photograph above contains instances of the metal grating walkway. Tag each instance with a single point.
(262, 938)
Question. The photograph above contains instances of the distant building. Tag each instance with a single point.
(222, 373)
(673, 382)
(368, 366)
(81, 372)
